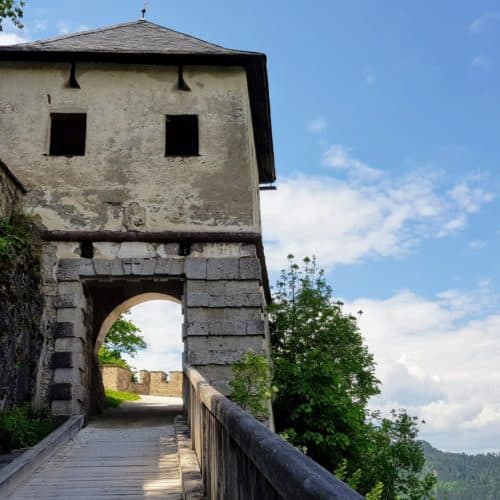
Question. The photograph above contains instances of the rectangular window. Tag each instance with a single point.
(67, 134)
(181, 135)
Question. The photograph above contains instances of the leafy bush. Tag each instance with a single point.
(16, 234)
(21, 427)
(252, 388)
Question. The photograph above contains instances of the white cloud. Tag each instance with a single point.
(64, 27)
(317, 125)
(161, 324)
(340, 158)
(439, 359)
(482, 61)
(470, 199)
(40, 25)
(369, 76)
(7, 38)
(481, 24)
(477, 244)
(347, 221)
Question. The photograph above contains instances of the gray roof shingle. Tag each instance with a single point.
(136, 37)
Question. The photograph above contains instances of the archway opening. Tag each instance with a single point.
(154, 372)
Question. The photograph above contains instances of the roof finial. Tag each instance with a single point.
(143, 11)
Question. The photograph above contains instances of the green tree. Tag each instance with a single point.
(323, 370)
(123, 338)
(325, 376)
(13, 10)
(251, 385)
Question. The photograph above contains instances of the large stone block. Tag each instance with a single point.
(86, 268)
(70, 294)
(62, 360)
(63, 329)
(219, 314)
(223, 268)
(68, 270)
(218, 376)
(170, 266)
(102, 267)
(195, 267)
(250, 268)
(221, 350)
(243, 300)
(71, 344)
(139, 266)
(68, 376)
(117, 267)
(167, 249)
(61, 392)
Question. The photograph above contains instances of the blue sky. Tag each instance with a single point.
(385, 119)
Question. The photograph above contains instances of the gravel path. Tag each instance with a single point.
(128, 453)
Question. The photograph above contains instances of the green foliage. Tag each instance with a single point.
(13, 10)
(116, 398)
(21, 427)
(123, 338)
(323, 370)
(395, 457)
(16, 235)
(325, 377)
(376, 492)
(107, 357)
(461, 476)
(252, 388)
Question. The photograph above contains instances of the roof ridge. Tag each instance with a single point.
(189, 36)
(80, 33)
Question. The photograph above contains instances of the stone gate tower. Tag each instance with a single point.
(142, 150)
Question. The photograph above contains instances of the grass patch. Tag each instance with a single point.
(116, 398)
(21, 427)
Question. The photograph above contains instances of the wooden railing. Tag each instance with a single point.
(241, 459)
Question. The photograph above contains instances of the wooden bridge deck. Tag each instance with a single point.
(130, 453)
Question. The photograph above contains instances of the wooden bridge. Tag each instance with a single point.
(132, 453)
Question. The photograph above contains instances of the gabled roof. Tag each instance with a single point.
(137, 37)
(143, 42)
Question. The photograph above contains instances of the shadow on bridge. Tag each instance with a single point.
(149, 411)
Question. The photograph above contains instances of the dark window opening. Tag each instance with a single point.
(67, 134)
(184, 249)
(86, 250)
(181, 135)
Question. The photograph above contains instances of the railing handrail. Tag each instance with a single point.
(288, 471)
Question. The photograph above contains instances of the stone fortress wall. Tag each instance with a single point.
(11, 191)
(154, 383)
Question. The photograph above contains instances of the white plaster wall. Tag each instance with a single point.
(124, 162)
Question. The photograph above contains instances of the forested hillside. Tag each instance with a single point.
(464, 477)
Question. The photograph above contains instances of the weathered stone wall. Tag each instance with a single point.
(143, 386)
(21, 338)
(125, 181)
(116, 378)
(155, 383)
(20, 334)
(223, 303)
(11, 192)
(166, 385)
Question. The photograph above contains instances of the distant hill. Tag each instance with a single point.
(464, 477)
